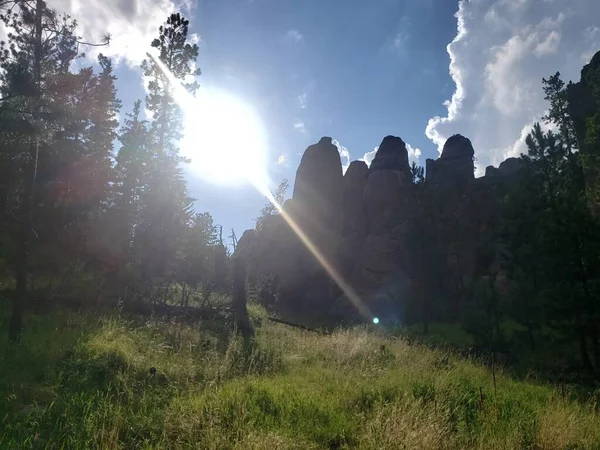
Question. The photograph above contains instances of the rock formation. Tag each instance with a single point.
(583, 101)
(507, 168)
(391, 155)
(364, 223)
(318, 188)
(455, 164)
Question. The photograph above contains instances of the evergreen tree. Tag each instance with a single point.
(166, 205)
(270, 209)
(133, 165)
(554, 243)
(558, 113)
(37, 94)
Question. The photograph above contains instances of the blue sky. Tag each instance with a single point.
(360, 70)
(310, 70)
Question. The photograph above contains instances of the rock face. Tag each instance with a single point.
(583, 99)
(364, 223)
(509, 167)
(455, 165)
(391, 155)
(352, 195)
(318, 186)
(245, 244)
(356, 175)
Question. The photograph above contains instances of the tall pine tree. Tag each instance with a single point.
(166, 205)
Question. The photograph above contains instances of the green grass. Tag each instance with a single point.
(79, 382)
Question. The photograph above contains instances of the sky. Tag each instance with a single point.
(358, 70)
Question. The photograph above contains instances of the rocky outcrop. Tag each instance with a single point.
(455, 164)
(318, 187)
(355, 176)
(583, 104)
(391, 155)
(363, 224)
(245, 245)
(352, 195)
(508, 168)
(354, 217)
(583, 96)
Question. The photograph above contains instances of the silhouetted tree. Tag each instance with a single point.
(166, 205)
(39, 108)
(270, 209)
(550, 223)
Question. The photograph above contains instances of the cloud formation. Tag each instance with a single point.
(294, 36)
(300, 127)
(132, 24)
(500, 54)
(302, 100)
(344, 154)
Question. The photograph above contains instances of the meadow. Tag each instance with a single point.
(113, 381)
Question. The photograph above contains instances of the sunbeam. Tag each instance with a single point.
(254, 172)
(329, 268)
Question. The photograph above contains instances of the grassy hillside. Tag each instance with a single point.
(85, 382)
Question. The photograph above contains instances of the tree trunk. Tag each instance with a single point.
(166, 296)
(183, 294)
(242, 321)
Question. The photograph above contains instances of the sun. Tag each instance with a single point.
(224, 138)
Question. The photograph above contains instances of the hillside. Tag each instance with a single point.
(80, 381)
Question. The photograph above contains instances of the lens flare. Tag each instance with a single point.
(375, 320)
(222, 136)
(255, 176)
(329, 268)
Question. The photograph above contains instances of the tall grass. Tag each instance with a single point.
(80, 382)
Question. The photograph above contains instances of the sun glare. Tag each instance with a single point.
(226, 142)
(224, 138)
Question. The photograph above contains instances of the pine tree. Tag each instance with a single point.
(38, 102)
(133, 164)
(166, 205)
(550, 222)
(558, 113)
(270, 209)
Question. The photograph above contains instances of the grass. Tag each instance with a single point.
(79, 382)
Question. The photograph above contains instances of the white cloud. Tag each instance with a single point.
(591, 36)
(400, 41)
(549, 45)
(132, 24)
(344, 154)
(414, 154)
(302, 100)
(369, 156)
(294, 36)
(502, 50)
(300, 127)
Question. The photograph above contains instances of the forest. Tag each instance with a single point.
(129, 321)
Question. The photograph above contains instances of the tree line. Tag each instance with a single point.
(88, 206)
(517, 262)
